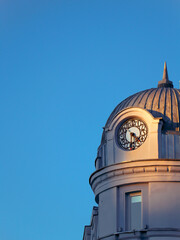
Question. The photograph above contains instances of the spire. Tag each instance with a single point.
(165, 80)
(165, 73)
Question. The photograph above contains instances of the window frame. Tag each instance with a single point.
(121, 204)
(128, 210)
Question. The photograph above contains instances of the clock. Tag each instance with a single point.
(132, 134)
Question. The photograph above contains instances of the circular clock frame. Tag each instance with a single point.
(132, 133)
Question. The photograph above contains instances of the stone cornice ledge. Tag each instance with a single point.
(140, 171)
(145, 234)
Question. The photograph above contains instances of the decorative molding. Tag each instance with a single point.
(135, 172)
(144, 234)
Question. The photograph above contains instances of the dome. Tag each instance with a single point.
(163, 101)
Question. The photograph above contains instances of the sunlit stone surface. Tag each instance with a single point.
(137, 182)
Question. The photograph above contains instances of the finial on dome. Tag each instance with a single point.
(165, 73)
(165, 81)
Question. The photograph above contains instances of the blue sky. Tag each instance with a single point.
(64, 66)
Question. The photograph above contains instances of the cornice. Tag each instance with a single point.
(133, 172)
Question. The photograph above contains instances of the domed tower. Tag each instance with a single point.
(137, 178)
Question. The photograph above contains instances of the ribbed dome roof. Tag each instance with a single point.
(163, 101)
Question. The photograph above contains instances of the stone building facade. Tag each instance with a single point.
(137, 178)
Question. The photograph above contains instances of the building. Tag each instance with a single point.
(137, 178)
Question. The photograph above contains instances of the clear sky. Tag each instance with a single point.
(64, 66)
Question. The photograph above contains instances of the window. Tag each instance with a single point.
(133, 211)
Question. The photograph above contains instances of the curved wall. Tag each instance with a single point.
(159, 184)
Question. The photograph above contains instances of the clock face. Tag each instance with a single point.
(132, 134)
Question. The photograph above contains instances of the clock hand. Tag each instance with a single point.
(131, 134)
(135, 137)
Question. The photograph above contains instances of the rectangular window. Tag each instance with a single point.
(133, 211)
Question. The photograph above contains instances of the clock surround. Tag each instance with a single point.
(131, 133)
